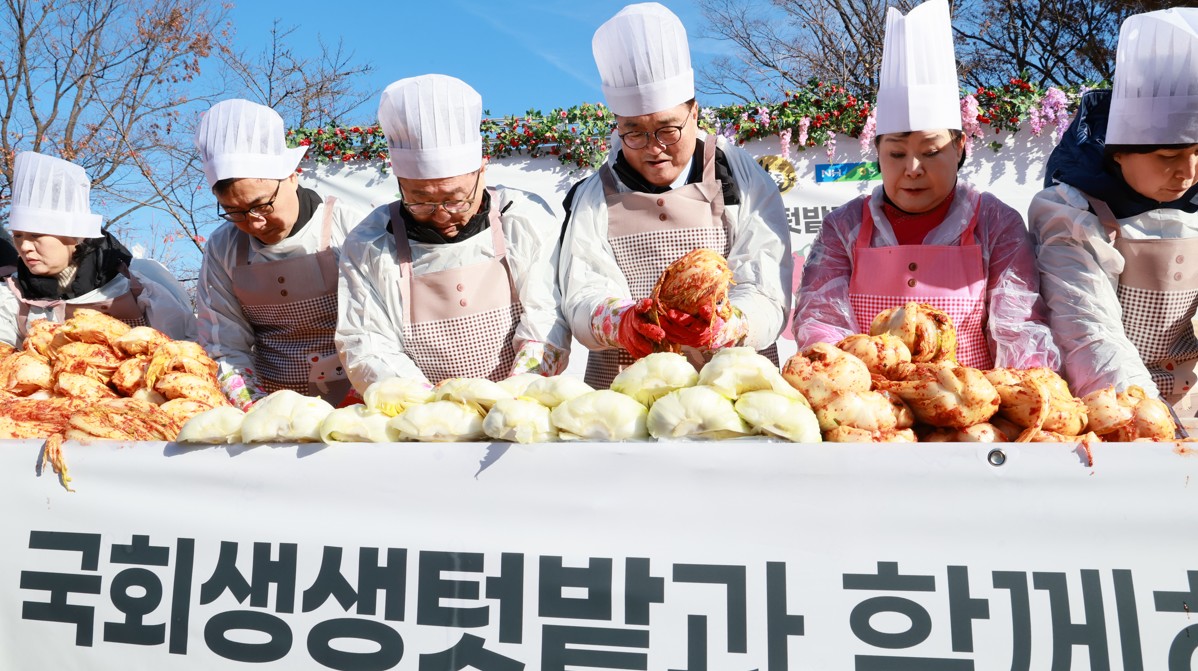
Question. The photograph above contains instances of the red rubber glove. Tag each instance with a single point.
(352, 398)
(636, 334)
(690, 330)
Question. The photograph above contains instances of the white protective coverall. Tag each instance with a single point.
(370, 309)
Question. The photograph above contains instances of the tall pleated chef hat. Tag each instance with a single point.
(240, 139)
(51, 196)
(432, 127)
(917, 87)
(644, 61)
(1155, 96)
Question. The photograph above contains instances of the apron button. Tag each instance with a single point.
(461, 287)
(912, 267)
(911, 282)
(282, 280)
(662, 216)
(661, 201)
(462, 302)
(1180, 258)
(283, 292)
(1177, 276)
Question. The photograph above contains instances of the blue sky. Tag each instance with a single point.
(516, 54)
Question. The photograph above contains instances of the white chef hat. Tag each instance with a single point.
(51, 196)
(1155, 96)
(917, 87)
(432, 127)
(644, 61)
(240, 139)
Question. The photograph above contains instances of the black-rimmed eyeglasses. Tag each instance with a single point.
(258, 211)
(450, 206)
(665, 136)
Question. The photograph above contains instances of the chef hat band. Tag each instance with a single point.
(431, 123)
(240, 139)
(51, 196)
(917, 85)
(1154, 99)
(644, 60)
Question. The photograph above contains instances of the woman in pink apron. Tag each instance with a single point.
(924, 235)
(663, 192)
(67, 262)
(267, 296)
(1118, 224)
(455, 279)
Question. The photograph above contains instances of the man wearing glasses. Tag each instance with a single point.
(267, 295)
(663, 192)
(455, 279)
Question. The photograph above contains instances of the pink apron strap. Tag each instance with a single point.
(500, 245)
(326, 231)
(241, 256)
(709, 159)
(865, 236)
(1105, 216)
(608, 177)
(403, 253)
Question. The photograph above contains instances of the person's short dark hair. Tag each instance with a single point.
(222, 187)
(1111, 149)
(955, 134)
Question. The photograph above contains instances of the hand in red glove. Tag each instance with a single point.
(351, 398)
(637, 334)
(690, 330)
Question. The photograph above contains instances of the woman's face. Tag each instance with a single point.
(1163, 175)
(919, 169)
(44, 254)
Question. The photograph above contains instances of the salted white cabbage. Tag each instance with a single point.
(738, 370)
(357, 424)
(394, 395)
(553, 391)
(285, 417)
(695, 412)
(654, 376)
(516, 384)
(476, 392)
(519, 420)
(215, 426)
(779, 415)
(439, 421)
(601, 415)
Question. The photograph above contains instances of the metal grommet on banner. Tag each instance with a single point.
(996, 457)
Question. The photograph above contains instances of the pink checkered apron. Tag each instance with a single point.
(459, 322)
(947, 277)
(648, 232)
(292, 306)
(123, 307)
(1158, 291)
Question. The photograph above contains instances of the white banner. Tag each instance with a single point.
(701, 556)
